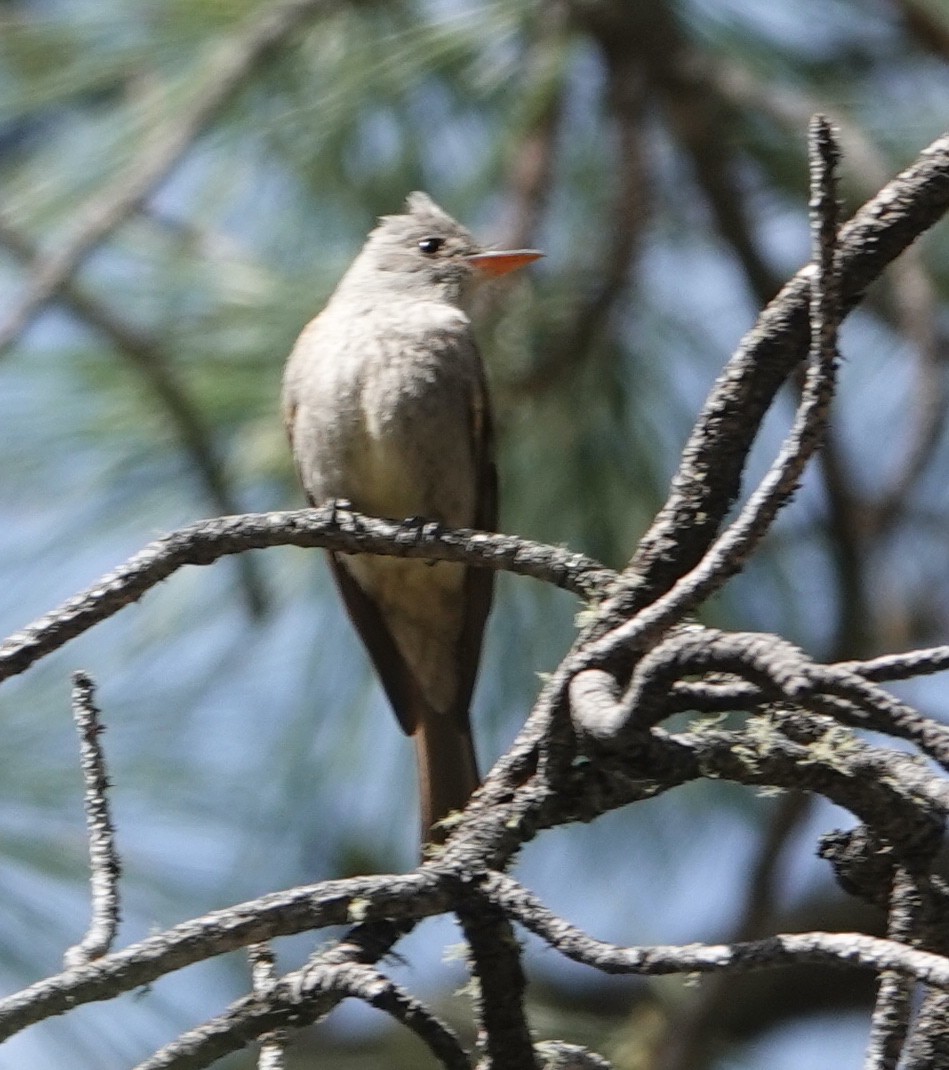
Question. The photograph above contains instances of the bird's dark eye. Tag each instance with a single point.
(430, 246)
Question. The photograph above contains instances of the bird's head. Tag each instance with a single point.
(424, 252)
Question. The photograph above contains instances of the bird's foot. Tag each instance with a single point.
(337, 507)
(419, 528)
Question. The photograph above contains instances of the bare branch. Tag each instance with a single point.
(928, 1046)
(554, 774)
(555, 1055)
(781, 669)
(824, 155)
(900, 666)
(844, 949)
(798, 751)
(366, 984)
(890, 1022)
(329, 527)
(726, 557)
(713, 695)
(304, 997)
(876, 709)
(709, 476)
(105, 867)
(273, 1045)
(596, 704)
(383, 898)
(504, 1036)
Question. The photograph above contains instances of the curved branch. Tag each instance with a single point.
(729, 552)
(900, 666)
(384, 898)
(709, 477)
(329, 527)
(913, 291)
(299, 999)
(721, 696)
(842, 949)
(797, 751)
(782, 671)
(368, 985)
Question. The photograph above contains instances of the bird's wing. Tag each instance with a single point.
(401, 688)
(479, 582)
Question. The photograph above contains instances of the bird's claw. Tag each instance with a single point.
(420, 527)
(337, 506)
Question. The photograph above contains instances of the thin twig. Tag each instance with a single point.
(307, 995)
(850, 517)
(104, 865)
(868, 706)
(889, 1024)
(729, 552)
(899, 666)
(273, 1046)
(913, 290)
(709, 476)
(719, 696)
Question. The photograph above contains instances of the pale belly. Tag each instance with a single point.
(396, 444)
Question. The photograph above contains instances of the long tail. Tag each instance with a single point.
(447, 769)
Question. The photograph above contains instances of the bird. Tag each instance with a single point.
(386, 406)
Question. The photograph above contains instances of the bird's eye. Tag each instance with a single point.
(430, 246)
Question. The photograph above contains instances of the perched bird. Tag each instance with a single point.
(386, 406)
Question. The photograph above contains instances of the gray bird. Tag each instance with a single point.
(386, 405)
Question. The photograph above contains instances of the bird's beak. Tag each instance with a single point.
(494, 264)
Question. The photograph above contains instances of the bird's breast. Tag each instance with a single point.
(385, 416)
